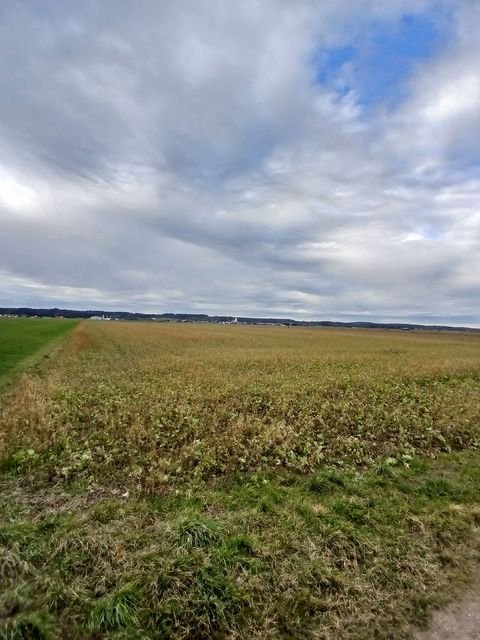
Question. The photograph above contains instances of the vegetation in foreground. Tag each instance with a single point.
(227, 482)
(349, 555)
(21, 338)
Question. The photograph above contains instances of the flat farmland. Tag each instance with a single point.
(206, 481)
(21, 338)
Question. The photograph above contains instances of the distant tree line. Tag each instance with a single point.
(204, 318)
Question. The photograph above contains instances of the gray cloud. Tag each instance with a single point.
(182, 157)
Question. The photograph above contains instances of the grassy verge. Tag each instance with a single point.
(328, 555)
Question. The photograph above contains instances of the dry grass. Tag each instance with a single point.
(150, 403)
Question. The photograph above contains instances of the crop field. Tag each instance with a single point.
(204, 481)
(21, 338)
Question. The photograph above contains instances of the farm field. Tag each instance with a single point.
(21, 338)
(199, 481)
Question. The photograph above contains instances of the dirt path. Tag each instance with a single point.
(458, 621)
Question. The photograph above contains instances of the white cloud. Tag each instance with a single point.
(182, 157)
(14, 195)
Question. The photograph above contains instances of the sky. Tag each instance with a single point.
(312, 159)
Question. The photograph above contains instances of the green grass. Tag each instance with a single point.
(336, 554)
(22, 338)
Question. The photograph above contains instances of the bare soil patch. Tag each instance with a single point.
(458, 621)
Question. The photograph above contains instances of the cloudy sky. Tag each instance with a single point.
(301, 158)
